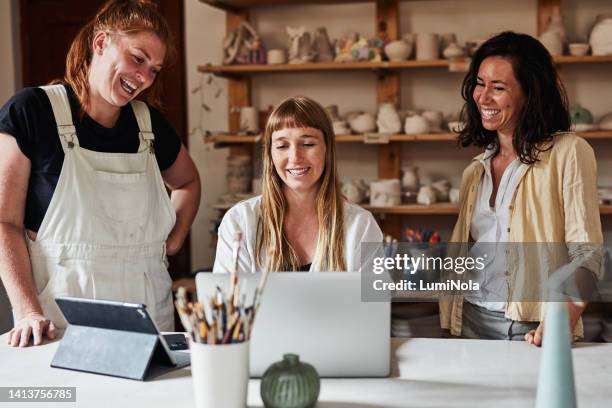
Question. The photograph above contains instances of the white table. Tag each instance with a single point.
(426, 373)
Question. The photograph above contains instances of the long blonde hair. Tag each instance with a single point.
(274, 252)
(119, 16)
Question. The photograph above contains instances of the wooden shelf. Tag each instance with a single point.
(431, 137)
(439, 209)
(248, 69)
(236, 5)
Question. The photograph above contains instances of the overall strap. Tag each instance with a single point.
(63, 117)
(143, 117)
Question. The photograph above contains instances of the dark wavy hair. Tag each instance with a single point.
(546, 107)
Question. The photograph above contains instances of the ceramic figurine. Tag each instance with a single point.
(322, 46)
(343, 48)
(361, 50)
(236, 44)
(435, 119)
(442, 189)
(427, 195)
(601, 35)
(416, 124)
(446, 39)
(363, 123)
(388, 120)
(257, 52)
(376, 49)
(300, 46)
(410, 179)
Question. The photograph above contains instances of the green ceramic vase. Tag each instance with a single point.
(290, 384)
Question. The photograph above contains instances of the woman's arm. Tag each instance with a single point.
(183, 179)
(583, 233)
(15, 267)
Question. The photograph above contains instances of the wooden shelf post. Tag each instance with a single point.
(388, 90)
(238, 90)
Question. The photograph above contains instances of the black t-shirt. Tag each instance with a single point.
(28, 117)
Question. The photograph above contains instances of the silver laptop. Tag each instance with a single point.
(319, 316)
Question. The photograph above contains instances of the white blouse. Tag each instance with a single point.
(359, 227)
(490, 225)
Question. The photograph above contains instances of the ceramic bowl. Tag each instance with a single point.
(398, 50)
(579, 49)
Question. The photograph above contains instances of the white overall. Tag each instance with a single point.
(104, 233)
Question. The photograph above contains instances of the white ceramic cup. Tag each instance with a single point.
(276, 56)
(428, 46)
(249, 119)
(220, 374)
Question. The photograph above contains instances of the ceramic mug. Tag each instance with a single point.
(428, 46)
(249, 119)
(276, 56)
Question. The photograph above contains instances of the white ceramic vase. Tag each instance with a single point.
(427, 46)
(388, 120)
(410, 178)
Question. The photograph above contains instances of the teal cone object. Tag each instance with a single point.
(290, 384)
(556, 377)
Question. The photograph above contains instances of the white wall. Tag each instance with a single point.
(425, 89)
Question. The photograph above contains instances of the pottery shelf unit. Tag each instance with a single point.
(229, 71)
(228, 139)
(389, 157)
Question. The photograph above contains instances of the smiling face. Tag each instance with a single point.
(498, 95)
(124, 65)
(298, 155)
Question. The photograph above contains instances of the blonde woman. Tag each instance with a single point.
(301, 222)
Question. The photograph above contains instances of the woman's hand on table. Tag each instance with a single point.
(32, 324)
(574, 311)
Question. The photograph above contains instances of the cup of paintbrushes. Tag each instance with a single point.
(220, 374)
